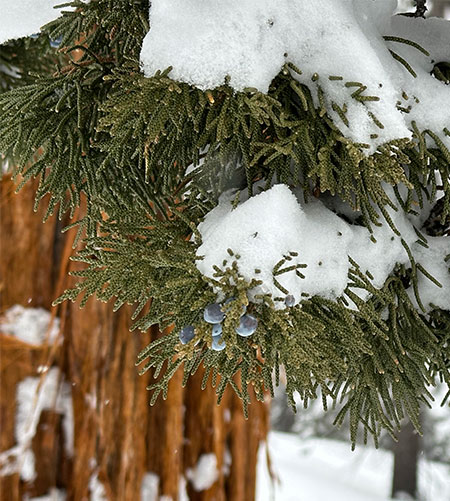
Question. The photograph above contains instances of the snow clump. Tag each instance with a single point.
(273, 224)
(205, 472)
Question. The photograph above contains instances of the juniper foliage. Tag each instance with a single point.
(89, 125)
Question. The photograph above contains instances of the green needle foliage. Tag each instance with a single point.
(86, 122)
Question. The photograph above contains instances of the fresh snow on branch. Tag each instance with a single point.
(267, 227)
(247, 43)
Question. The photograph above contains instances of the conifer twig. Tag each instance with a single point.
(420, 8)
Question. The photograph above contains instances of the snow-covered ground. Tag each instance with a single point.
(327, 470)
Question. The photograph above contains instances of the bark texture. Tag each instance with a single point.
(117, 435)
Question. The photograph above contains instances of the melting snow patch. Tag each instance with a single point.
(204, 474)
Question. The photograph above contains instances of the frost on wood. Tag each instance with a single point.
(247, 43)
(33, 396)
(30, 325)
(205, 472)
(322, 469)
(268, 226)
(22, 18)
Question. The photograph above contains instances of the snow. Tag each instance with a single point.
(205, 472)
(275, 223)
(433, 260)
(22, 18)
(54, 495)
(30, 325)
(322, 470)
(247, 42)
(149, 487)
(96, 489)
(33, 396)
(182, 490)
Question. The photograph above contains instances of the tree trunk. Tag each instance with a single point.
(406, 455)
(117, 436)
(439, 8)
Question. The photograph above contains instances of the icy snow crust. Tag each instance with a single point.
(249, 41)
(22, 18)
(268, 226)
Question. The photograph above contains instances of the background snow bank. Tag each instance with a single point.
(248, 42)
(22, 18)
(268, 226)
(319, 470)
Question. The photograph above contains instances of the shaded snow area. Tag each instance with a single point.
(33, 395)
(30, 325)
(22, 18)
(268, 226)
(247, 42)
(326, 470)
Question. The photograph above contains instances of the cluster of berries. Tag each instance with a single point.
(213, 314)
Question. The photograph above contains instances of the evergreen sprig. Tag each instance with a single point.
(376, 360)
(151, 156)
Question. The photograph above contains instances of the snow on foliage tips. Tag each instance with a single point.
(275, 223)
(370, 69)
